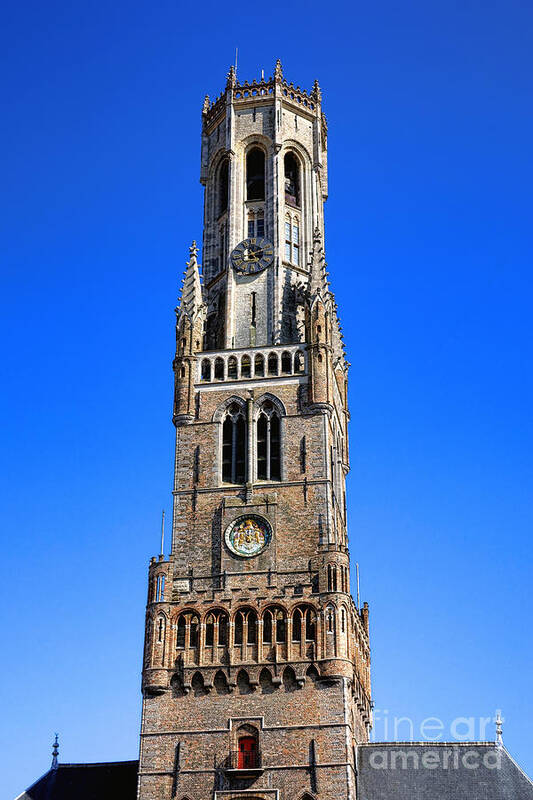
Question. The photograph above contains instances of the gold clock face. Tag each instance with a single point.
(252, 255)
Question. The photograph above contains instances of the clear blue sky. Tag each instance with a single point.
(429, 246)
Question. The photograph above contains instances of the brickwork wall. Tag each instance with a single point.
(271, 646)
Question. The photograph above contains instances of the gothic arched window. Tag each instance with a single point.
(274, 626)
(206, 370)
(187, 631)
(259, 366)
(255, 174)
(272, 364)
(292, 180)
(216, 629)
(286, 363)
(232, 368)
(304, 624)
(292, 239)
(268, 443)
(246, 367)
(281, 628)
(234, 445)
(219, 369)
(245, 627)
(223, 186)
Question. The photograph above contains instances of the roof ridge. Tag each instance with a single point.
(432, 744)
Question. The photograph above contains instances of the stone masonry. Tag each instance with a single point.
(256, 674)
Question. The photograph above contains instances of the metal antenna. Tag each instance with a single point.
(236, 55)
(55, 752)
(163, 532)
(499, 720)
(357, 574)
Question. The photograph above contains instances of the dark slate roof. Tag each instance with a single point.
(439, 771)
(116, 780)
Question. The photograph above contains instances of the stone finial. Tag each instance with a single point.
(317, 92)
(231, 78)
(191, 292)
(318, 284)
(499, 720)
(55, 752)
(278, 71)
(205, 107)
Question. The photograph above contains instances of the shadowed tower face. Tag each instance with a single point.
(256, 675)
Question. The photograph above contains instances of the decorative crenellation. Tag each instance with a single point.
(263, 89)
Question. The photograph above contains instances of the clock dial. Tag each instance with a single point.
(252, 255)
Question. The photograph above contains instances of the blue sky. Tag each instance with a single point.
(429, 246)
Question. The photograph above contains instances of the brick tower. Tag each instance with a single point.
(256, 676)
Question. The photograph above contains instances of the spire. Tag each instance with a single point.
(191, 291)
(55, 753)
(499, 720)
(317, 93)
(205, 107)
(278, 71)
(231, 78)
(162, 553)
(318, 284)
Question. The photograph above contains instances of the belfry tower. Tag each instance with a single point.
(256, 676)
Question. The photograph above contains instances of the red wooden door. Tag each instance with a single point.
(247, 752)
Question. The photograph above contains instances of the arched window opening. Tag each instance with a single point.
(299, 365)
(267, 627)
(219, 369)
(232, 368)
(160, 629)
(272, 364)
(255, 174)
(330, 620)
(259, 366)
(239, 627)
(268, 443)
(220, 260)
(246, 367)
(310, 625)
(292, 240)
(343, 620)
(251, 634)
(286, 363)
(234, 445)
(180, 639)
(210, 631)
(248, 753)
(182, 372)
(206, 370)
(292, 180)
(223, 629)
(281, 628)
(216, 629)
(332, 578)
(297, 626)
(187, 631)
(223, 186)
(194, 627)
(160, 589)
